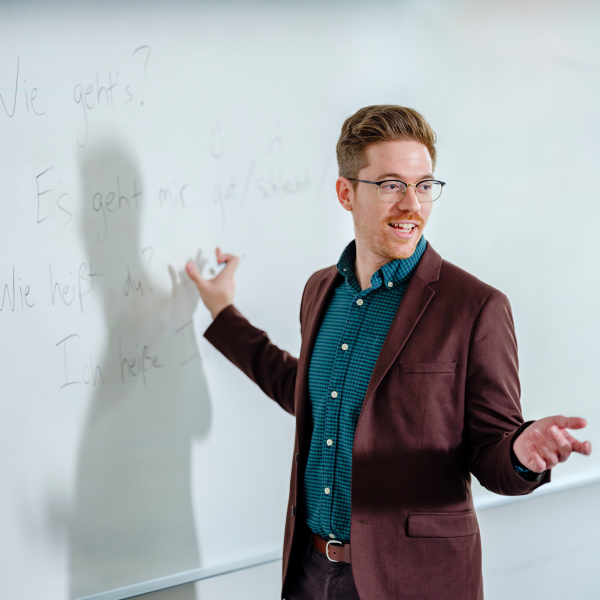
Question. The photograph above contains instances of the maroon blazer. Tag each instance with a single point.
(443, 402)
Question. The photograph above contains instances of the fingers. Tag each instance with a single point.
(584, 448)
(232, 263)
(193, 273)
(569, 422)
(553, 446)
(535, 463)
(231, 259)
(562, 446)
(548, 454)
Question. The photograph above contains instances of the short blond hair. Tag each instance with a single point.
(379, 123)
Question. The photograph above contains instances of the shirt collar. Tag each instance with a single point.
(395, 272)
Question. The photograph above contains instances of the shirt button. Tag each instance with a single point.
(390, 284)
(332, 536)
(344, 346)
(327, 490)
(359, 302)
(334, 394)
(329, 442)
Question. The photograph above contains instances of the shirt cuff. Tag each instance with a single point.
(518, 466)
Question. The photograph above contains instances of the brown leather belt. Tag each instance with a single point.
(335, 551)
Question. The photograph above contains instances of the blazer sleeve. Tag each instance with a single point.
(274, 370)
(492, 396)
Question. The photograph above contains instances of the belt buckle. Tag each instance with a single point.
(327, 549)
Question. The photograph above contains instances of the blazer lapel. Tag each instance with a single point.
(417, 297)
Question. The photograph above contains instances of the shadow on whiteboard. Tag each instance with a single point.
(132, 516)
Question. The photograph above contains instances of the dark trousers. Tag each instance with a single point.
(315, 577)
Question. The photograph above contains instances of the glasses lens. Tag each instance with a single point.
(392, 191)
(428, 191)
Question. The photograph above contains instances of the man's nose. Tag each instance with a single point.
(410, 201)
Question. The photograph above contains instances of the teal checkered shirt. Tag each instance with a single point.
(350, 338)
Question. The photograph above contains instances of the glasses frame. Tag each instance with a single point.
(378, 184)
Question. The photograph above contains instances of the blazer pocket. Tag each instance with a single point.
(442, 525)
(427, 367)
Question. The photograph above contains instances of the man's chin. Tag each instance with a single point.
(401, 249)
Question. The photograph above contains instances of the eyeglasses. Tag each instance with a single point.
(394, 190)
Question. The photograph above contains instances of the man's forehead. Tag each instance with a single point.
(399, 158)
(405, 150)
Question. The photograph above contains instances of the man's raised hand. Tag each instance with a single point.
(547, 442)
(218, 292)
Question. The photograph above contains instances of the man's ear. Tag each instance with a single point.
(345, 192)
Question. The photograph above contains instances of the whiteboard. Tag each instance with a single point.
(136, 137)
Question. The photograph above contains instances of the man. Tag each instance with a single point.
(407, 380)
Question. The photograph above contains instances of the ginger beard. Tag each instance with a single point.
(380, 240)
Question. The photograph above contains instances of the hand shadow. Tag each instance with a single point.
(132, 517)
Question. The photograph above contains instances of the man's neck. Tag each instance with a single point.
(366, 264)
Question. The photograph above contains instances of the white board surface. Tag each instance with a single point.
(136, 136)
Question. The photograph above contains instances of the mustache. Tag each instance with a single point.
(414, 218)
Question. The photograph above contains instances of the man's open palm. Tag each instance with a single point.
(547, 442)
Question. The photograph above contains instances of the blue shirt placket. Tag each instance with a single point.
(335, 406)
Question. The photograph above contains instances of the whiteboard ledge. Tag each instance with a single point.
(161, 583)
(566, 483)
(563, 484)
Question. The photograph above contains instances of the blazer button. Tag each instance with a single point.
(296, 458)
(293, 511)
